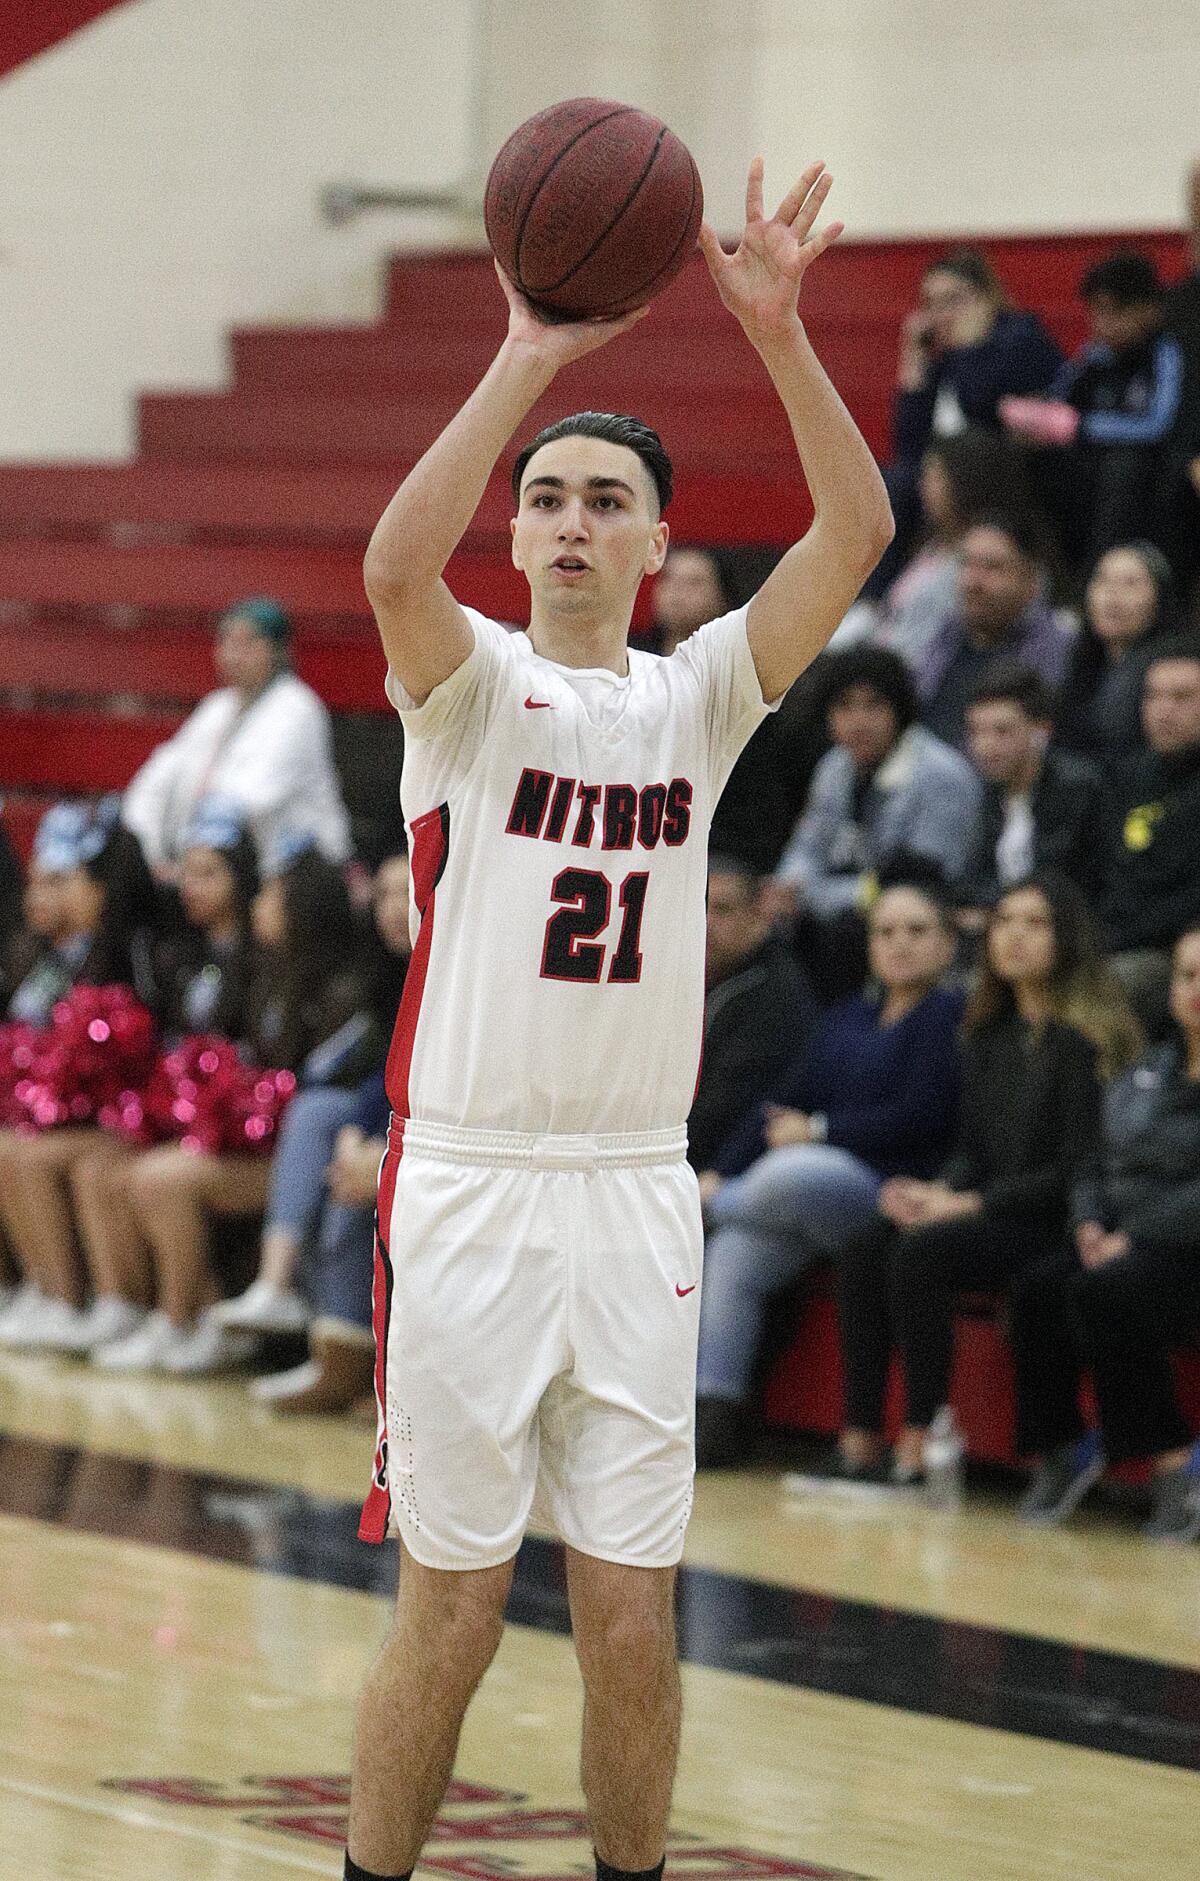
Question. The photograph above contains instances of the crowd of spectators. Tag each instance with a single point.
(952, 1025)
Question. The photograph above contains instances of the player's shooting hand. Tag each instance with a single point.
(760, 282)
(556, 343)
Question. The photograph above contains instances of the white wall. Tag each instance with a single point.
(160, 168)
(158, 185)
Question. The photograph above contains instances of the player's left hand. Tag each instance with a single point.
(760, 282)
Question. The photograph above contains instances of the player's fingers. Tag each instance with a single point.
(709, 244)
(794, 201)
(824, 240)
(812, 205)
(754, 191)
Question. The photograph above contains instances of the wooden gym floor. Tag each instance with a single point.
(873, 1689)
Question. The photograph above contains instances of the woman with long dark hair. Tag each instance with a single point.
(1044, 1025)
(1122, 1291)
(102, 905)
(308, 1015)
(1129, 605)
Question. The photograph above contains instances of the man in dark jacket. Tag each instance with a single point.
(758, 1009)
(1040, 805)
(1150, 861)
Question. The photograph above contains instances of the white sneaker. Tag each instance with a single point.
(264, 1307)
(205, 1347)
(140, 1351)
(20, 1311)
(109, 1319)
(51, 1326)
(282, 1384)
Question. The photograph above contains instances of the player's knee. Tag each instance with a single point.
(464, 1612)
(617, 1644)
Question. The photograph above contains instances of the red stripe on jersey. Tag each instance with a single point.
(430, 847)
(377, 1507)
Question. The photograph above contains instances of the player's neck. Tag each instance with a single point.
(582, 641)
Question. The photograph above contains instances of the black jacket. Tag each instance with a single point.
(755, 1022)
(1146, 1180)
(1150, 865)
(1018, 355)
(1029, 1122)
(1065, 804)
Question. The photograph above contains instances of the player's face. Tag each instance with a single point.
(1020, 944)
(390, 894)
(206, 887)
(910, 945)
(1171, 706)
(1121, 597)
(995, 582)
(863, 722)
(1003, 741)
(1185, 985)
(587, 531)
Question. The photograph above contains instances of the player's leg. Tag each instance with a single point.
(623, 1620)
(444, 1636)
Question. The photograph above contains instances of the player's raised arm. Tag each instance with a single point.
(425, 633)
(798, 607)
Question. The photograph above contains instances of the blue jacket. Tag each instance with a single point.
(888, 1094)
(924, 799)
(1130, 397)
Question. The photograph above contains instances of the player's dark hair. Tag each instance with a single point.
(610, 428)
(1010, 683)
(883, 671)
(1126, 278)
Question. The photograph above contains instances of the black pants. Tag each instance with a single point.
(1119, 1322)
(898, 1287)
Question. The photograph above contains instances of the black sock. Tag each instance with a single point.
(605, 1873)
(352, 1872)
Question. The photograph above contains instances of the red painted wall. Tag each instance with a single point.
(28, 27)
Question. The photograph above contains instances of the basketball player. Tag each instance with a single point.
(538, 1279)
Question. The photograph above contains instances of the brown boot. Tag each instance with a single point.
(345, 1358)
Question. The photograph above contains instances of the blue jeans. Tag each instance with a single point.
(341, 1265)
(792, 1208)
(303, 1154)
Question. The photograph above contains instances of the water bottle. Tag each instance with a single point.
(944, 1452)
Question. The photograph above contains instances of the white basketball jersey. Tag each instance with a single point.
(558, 823)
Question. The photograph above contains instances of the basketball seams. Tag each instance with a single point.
(634, 192)
(594, 124)
(646, 287)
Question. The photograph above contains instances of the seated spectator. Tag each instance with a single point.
(338, 1376)
(885, 788)
(310, 1132)
(262, 741)
(1041, 1021)
(47, 952)
(962, 350)
(757, 1007)
(767, 785)
(1040, 806)
(1128, 605)
(1126, 1288)
(201, 976)
(1150, 854)
(1181, 317)
(960, 477)
(1001, 614)
(308, 1014)
(99, 915)
(871, 1094)
(1101, 433)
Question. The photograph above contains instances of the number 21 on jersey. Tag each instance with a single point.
(573, 949)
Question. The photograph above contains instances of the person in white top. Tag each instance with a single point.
(539, 1240)
(261, 741)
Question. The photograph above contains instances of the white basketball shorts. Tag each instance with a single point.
(537, 1314)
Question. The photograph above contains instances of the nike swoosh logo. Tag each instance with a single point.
(684, 1291)
(538, 705)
